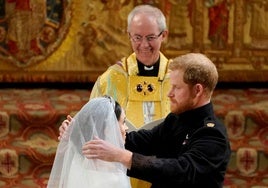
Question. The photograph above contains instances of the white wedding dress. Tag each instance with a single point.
(88, 178)
(71, 169)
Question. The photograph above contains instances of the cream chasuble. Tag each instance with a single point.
(144, 98)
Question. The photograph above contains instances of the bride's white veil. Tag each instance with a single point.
(71, 168)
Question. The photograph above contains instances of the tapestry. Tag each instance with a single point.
(31, 30)
(77, 40)
(29, 122)
(30, 118)
(245, 114)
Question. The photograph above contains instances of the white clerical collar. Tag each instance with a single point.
(148, 68)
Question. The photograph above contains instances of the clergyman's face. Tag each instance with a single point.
(144, 26)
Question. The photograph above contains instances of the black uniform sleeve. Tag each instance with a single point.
(206, 152)
(142, 141)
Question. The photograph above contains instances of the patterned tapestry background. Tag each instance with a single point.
(76, 40)
(29, 121)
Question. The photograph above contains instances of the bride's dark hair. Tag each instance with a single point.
(117, 110)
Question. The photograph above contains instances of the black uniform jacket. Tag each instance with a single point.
(186, 150)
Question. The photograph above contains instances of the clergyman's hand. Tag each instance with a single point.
(64, 127)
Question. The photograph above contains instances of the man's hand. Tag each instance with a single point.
(100, 149)
(64, 127)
